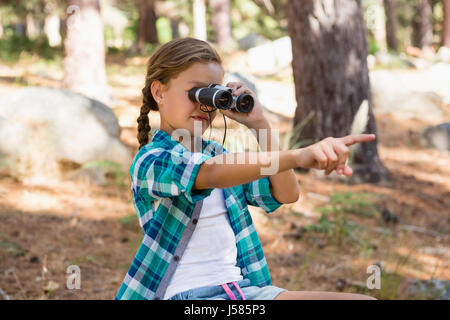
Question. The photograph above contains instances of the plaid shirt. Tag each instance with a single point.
(162, 176)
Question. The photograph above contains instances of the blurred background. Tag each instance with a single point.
(71, 75)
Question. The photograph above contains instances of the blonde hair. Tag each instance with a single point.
(168, 61)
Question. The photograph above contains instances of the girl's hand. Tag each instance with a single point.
(252, 119)
(330, 153)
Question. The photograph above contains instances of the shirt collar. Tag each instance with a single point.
(161, 137)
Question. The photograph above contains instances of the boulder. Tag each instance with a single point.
(271, 56)
(401, 95)
(443, 54)
(437, 137)
(251, 40)
(78, 128)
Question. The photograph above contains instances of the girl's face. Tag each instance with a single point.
(177, 111)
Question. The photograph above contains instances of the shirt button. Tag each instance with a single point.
(194, 221)
(176, 258)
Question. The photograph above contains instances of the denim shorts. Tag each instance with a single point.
(218, 292)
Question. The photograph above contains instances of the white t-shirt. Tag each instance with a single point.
(210, 257)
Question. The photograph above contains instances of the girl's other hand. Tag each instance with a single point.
(330, 153)
(254, 118)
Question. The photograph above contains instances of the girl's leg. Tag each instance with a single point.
(321, 295)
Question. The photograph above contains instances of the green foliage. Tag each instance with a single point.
(373, 45)
(113, 170)
(323, 225)
(130, 32)
(353, 203)
(248, 16)
(339, 229)
(164, 29)
(15, 46)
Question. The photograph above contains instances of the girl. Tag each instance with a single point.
(199, 239)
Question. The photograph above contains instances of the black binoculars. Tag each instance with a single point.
(220, 97)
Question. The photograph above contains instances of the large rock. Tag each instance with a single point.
(271, 56)
(437, 137)
(251, 40)
(78, 128)
(406, 95)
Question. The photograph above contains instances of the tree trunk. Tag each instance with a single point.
(446, 24)
(84, 62)
(391, 25)
(331, 76)
(1, 28)
(378, 24)
(175, 25)
(221, 24)
(32, 26)
(147, 32)
(199, 19)
(422, 25)
(51, 28)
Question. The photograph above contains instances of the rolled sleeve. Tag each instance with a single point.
(169, 173)
(257, 193)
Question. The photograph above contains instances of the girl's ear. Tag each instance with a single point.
(156, 89)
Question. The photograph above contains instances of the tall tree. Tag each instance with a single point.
(391, 25)
(331, 77)
(52, 24)
(446, 24)
(199, 13)
(377, 23)
(422, 25)
(221, 23)
(84, 62)
(147, 32)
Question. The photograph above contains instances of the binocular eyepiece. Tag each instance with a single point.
(220, 97)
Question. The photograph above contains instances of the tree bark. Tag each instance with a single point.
(331, 76)
(147, 32)
(175, 25)
(51, 28)
(84, 62)
(446, 24)
(221, 24)
(391, 25)
(199, 19)
(1, 28)
(422, 25)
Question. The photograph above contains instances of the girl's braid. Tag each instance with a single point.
(148, 104)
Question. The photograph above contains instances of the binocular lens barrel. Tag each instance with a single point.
(221, 99)
(244, 103)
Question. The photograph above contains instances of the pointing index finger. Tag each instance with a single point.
(356, 138)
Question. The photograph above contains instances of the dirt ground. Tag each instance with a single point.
(45, 229)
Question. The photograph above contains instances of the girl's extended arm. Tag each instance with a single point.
(284, 186)
(231, 169)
